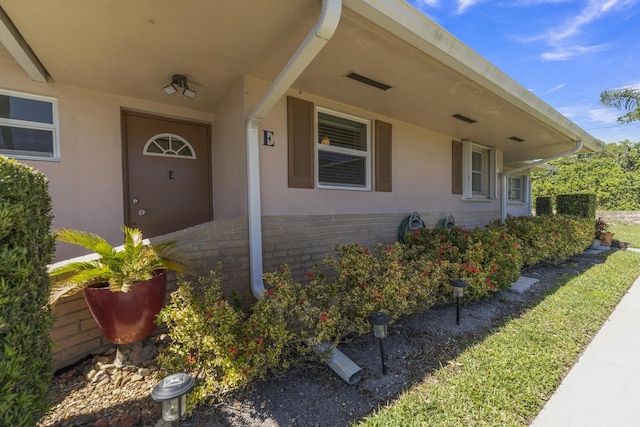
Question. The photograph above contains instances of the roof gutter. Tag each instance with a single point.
(506, 174)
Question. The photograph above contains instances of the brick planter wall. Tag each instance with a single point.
(299, 241)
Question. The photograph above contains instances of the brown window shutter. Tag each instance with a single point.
(383, 156)
(300, 129)
(456, 166)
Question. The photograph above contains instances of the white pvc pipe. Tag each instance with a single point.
(307, 51)
(341, 364)
(504, 196)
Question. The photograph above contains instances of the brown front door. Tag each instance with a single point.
(167, 182)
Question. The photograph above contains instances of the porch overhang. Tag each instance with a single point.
(133, 48)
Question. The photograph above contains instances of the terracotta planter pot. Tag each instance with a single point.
(127, 317)
(606, 238)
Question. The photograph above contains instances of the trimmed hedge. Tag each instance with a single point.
(549, 239)
(581, 205)
(544, 206)
(26, 248)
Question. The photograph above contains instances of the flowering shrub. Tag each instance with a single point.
(225, 347)
(388, 279)
(489, 260)
(205, 333)
(303, 314)
(549, 239)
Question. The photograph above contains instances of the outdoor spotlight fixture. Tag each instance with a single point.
(172, 392)
(179, 80)
(380, 321)
(458, 292)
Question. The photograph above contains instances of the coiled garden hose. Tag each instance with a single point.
(414, 222)
(411, 222)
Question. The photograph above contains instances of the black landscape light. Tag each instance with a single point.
(380, 321)
(458, 292)
(172, 392)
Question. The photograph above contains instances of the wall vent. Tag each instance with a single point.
(366, 80)
(464, 118)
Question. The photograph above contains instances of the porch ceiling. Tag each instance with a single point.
(132, 48)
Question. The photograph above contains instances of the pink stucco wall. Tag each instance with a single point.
(421, 171)
(86, 185)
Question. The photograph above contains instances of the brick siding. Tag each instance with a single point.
(299, 241)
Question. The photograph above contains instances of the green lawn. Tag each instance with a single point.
(505, 379)
(627, 233)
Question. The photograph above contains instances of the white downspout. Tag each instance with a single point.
(504, 196)
(307, 51)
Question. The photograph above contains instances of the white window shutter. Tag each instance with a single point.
(493, 175)
(467, 192)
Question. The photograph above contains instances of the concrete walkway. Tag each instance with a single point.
(603, 387)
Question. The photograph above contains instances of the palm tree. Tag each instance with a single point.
(120, 267)
(626, 98)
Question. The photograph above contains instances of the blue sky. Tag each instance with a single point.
(564, 51)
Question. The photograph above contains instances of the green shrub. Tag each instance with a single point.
(549, 239)
(205, 338)
(387, 279)
(544, 206)
(26, 248)
(582, 205)
(226, 347)
(488, 260)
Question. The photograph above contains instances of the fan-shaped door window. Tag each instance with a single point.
(169, 145)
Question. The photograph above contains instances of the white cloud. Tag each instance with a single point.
(593, 11)
(564, 38)
(527, 3)
(571, 111)
(556, 88)
(465, 4)
(564, 53)
(604, 115)
(634, 85)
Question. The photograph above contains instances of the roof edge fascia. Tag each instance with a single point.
(410, 25)
(15, 44)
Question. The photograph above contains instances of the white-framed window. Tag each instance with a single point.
(478, 176)
(343, 151)
(29, 126)
(517, 189)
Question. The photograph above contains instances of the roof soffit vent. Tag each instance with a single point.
(368, 81)
(516, 139)
(464, 118)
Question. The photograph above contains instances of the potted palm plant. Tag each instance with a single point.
(124, 287)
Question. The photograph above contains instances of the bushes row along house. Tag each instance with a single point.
(226, 345)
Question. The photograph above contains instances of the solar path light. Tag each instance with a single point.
(172, 392)
(458, 292)
(380, 321)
